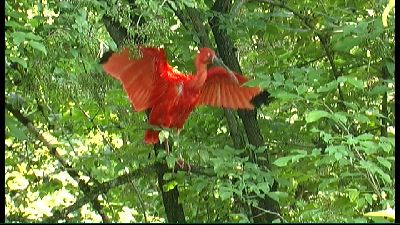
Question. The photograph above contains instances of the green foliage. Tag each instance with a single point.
(328, 140)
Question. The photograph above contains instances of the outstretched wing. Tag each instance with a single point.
(222, 90)
(138, 76)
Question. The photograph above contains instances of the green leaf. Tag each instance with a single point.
(20, 61)
(316, 115)
(200, 184)
(163, 135)
(278, 195)
(356, 83)
(14, 24)
(362, 118)
(387, 147)
(170, 161)
(338, 156)
(170, 185)
(33, 36)
(301, 89)
(384, 162)
(353, 194)
(74, 53)
(284, 95)
(373, 168)
(278, 77)
(189, 3)
(361, 28)
(18, 37)
(347, 43)
(340, 117)
(252, 83)
(264, 187)
(386, 177)
(15, 14)
(369, 147)
(277, 221)
(225, 192)
(271, 29)
(119, 167)
(15, 131)
(368, 198)
(296, 158)
(282, 161)
(328, 87)
(65, 5)
(378, 90)
(390, 67)
(337, 150)
(167, 176)
(38, 46)
(366, 136)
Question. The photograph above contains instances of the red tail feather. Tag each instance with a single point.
(151, 137)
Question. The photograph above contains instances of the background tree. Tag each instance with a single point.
(322, 149)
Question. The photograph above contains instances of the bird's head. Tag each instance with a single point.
(206, 56)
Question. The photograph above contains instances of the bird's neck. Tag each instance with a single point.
(200, 77)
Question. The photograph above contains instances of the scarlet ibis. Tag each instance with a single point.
(152, 84)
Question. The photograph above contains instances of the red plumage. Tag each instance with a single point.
(151, 83)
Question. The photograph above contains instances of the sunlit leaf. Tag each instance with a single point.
(388, 213)
(353, 194)
(386, 12)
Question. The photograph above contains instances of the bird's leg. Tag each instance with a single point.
(166, 146)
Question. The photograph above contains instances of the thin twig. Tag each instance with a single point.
(269, 212)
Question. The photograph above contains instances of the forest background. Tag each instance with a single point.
(321, 148)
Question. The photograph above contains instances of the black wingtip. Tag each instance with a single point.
(105, 57)
(263, 98)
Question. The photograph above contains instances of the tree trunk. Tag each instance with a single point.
(173, 209)
(249, 117)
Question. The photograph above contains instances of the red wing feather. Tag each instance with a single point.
(138, 76)
(220, 90)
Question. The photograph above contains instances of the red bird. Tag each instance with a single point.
(151, 83)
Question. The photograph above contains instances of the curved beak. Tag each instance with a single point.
(218, 62)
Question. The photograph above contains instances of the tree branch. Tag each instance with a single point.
(53, 151)
(324, 40)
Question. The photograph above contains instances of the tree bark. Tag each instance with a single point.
(173, 209)
(226, 50)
